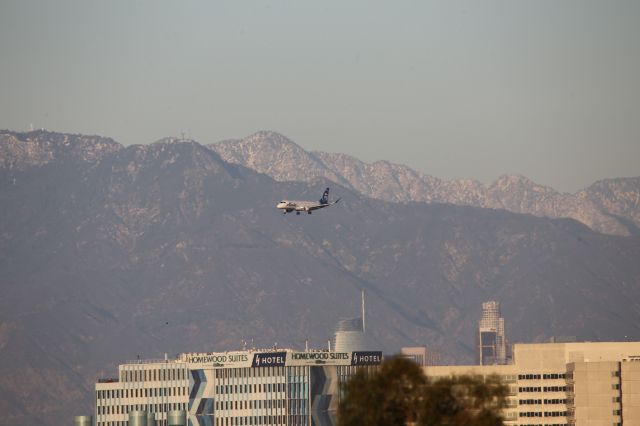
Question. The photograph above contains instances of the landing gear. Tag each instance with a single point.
(298, 213)
(308, 212)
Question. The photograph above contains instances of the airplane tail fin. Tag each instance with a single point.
(325, 197)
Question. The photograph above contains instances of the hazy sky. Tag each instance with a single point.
(474, 89)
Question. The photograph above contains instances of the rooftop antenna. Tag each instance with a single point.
(363, 318)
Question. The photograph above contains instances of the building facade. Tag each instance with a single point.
(492, 343)
(561, 384)
(417, 354)
(282, 387)
(604, 392)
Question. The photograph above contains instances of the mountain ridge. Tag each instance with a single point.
(162, 248)
(598, 209)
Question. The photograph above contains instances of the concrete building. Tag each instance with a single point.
(83, 421)
(417, 354)
(153, 386)
(507, 373)
(557, 384)
(604, 392)
(257, 387)
(491, 340)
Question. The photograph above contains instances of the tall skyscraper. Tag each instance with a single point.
(492, 344)
(350, 334)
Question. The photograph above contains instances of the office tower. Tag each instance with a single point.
(350, 336)
(492, 345)
(350, 333)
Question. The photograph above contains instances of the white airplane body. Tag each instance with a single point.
(305, 206)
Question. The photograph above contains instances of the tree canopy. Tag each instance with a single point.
(398, 393)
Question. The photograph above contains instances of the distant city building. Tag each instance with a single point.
(417, 354)
(350, 336)
(566, 383)
(270, 387)
(83, 421)
(492, 344)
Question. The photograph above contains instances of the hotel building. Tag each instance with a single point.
(275, 387)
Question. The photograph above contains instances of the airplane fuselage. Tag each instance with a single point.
(299, 206)
(305, 206)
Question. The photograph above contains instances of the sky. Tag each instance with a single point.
(455, 89)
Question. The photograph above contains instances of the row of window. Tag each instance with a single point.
(529, 376)
(141, 393)
(126, 423)
(546, 424)
(542, 401)
(262, 420)
(542, 389)
(246, 372)
(153, 408)
(249, 388)
(154, 374)
(553, 376)
(258, 404)
(543, 414)
(546, 376)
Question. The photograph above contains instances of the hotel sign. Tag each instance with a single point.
(269, 359)
(245, 359)
(219, 360)
(366, 358)
(319, 358)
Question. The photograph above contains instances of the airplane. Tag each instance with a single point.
(306, 206)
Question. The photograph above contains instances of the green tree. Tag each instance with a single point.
(462, 400)
(398, 394)
(387, 396)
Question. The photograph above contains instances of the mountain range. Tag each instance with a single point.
(610, 206)
(109, 252)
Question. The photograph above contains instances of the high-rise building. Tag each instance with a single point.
(350, 333)
(492, 344)
(350, 336)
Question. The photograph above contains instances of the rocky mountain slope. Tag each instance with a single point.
(611, 206)
(109, 252)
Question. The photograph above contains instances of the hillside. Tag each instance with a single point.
(611, 206)
(162, 248)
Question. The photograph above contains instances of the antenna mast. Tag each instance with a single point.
(363, 321)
